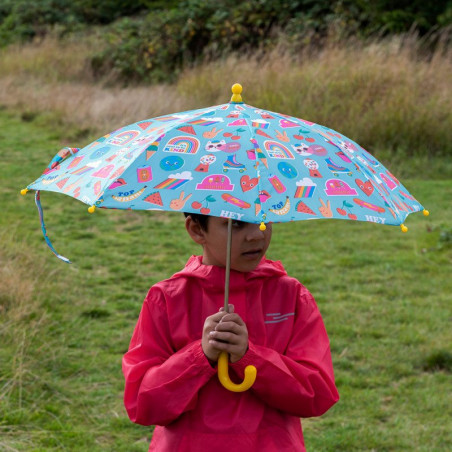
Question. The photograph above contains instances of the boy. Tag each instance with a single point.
(170, 368)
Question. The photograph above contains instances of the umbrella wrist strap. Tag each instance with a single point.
(44, 231)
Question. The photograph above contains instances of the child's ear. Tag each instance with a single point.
(195, 231)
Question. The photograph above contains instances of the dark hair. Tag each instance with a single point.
(202, 220)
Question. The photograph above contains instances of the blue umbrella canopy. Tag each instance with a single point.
(231, 160)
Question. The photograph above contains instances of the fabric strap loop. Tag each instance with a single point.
(43, 228)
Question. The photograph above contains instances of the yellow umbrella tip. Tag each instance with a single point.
(91, 209)
(24, 191)
(403, 228)
(236, 91)
(262, 226)
(426, 212)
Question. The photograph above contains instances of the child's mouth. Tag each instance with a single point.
(252, 254)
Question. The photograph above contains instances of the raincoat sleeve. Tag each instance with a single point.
(161, 383)
(300, 381)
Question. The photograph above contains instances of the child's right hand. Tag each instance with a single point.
(212, 345)
(209, 325)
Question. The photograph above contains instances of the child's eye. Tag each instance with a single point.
(238, 223)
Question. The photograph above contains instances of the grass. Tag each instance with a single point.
(384, 296)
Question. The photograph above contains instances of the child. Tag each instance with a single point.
(170, 368)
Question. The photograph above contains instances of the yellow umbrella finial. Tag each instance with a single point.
(236, 91)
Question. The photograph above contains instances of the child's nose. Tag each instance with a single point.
(253, 232)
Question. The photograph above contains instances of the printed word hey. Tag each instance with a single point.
(232, 215)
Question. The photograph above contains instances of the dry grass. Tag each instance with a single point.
(87, 105)
(371, 92)
(384, 94)
(49, 59)
(18, 280)
(22, 317)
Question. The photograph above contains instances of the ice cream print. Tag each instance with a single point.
(257, 165)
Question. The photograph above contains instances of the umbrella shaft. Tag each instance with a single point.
(228, 266)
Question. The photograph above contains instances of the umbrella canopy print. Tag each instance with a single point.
(231, 160)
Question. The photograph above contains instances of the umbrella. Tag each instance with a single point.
(235, 161)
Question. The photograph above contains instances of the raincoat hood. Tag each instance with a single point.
(212, 274)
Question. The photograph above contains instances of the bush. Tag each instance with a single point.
(157, 46)
(22, 20)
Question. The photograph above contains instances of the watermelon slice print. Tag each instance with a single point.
(154, 198)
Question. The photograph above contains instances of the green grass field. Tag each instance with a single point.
(385, 298)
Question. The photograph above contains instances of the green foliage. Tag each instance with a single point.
(397, 17)
(140, 50)
(21, 20)
(24, 19)
(153, 40)
(158, 46)
(105, 11)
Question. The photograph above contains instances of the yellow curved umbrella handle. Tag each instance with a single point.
(223, 375)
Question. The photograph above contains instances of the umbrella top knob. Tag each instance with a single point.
(236, 91)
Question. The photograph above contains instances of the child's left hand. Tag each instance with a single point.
(230, 336)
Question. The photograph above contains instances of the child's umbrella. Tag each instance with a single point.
(223, 359)
(235, 161)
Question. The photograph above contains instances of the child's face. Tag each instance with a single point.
(249, 243)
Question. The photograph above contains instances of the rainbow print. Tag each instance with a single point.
(75, 161)
(82, 170)
(203, 122)
(124, 137)
(182, 145)
(276, 150)
(260, 124)
(171, 183)
(305, 191)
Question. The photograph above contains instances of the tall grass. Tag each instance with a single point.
(50, 60)
(22, 281)
(383, 93)
(386, 94)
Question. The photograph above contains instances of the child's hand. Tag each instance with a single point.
(209, 325)
(225, 332)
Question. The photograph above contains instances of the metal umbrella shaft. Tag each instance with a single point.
(223, 360)
(228, 266)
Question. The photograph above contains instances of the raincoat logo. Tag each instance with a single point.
(278, 317)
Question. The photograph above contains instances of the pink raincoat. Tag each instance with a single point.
(171, 384)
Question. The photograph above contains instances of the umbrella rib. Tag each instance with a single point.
(258, 170)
